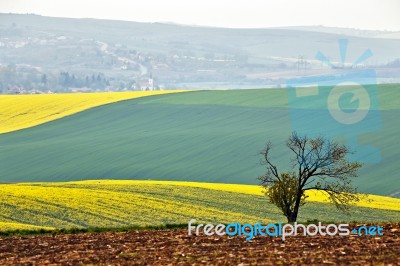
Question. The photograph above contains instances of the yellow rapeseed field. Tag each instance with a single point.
(11, 226)
(23, 111)
(114, 203)
(65, 205)
(371, 201)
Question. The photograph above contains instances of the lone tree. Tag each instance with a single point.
(319, 164)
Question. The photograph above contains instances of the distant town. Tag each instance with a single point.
(99, 55)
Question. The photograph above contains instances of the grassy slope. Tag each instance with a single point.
(23, 111)
(125, 203)
(212, 136)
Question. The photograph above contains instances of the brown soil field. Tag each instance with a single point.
(175, 247)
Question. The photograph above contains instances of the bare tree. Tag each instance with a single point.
(319, 164)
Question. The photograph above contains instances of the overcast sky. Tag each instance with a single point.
(361, 14)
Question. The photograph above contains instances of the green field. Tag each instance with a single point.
(208, 136)
(125, 203)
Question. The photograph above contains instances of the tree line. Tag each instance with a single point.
(13, 79)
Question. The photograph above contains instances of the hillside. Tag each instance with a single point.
(207, 136)
(61, 54)
(258, 44)
(23, 111)
(123, 203)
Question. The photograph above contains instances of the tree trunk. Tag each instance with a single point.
(292, 216)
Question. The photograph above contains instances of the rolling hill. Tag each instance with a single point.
(208, 136)
(23, 111)
(117, 203)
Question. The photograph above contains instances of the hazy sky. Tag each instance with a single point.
(362, 14)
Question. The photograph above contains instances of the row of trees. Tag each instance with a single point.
(12, 78)
(98, 81)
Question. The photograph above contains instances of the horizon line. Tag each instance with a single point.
(206, 26)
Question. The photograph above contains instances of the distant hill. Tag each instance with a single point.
(348, 31)
(175, 56)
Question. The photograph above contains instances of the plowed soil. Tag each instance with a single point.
(175, 247)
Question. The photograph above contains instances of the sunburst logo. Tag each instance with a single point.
(344, 104)
(359, 95)
(343, 45)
